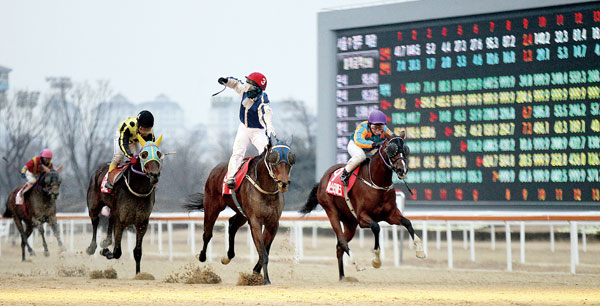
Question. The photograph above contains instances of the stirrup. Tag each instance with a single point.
(345, 177)
(230, 182)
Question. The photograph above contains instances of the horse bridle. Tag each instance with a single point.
(389, 164)
(270, 170)
(138, 172)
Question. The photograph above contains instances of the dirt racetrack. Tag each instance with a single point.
(429, 282)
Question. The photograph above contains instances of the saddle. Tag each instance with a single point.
(336, 187)
(239, 176)
(114, 176)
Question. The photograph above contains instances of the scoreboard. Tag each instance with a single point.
(497, 107)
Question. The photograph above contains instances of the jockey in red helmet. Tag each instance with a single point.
(367, 136)
(32, 170)
(125, 139)
(255, 117)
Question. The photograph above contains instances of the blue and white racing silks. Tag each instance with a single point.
(254, 113)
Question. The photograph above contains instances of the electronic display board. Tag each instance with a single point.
(497, 107)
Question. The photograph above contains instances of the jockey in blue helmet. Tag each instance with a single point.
(368, 135)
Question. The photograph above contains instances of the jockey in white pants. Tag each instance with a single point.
(367, 136)
(255, 116)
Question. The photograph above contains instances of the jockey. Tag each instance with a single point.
(255, 117)
(367, 136)
(33, 169)
(126, 142)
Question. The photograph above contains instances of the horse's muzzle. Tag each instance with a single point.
(283, 186)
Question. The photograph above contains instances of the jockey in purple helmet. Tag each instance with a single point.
(368, 135)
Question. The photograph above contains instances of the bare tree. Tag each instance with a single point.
(21, 128)
(78, 112)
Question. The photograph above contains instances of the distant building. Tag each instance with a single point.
(3, 86)
(169, 118)
(168, 115)
(224, 113)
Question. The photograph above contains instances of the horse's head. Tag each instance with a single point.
(396, 154)
(151, 158)
(279, 160)
(50, 182)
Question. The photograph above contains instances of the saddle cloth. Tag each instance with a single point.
(239, 176)
(335, 186)
(19, 200)
(114, 176)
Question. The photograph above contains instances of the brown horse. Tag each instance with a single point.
(130, 202)
(373, 199)
(260, 196)
(40, 206)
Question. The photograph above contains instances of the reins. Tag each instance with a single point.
(128, 176)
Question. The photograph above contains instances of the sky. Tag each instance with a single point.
(177, 48)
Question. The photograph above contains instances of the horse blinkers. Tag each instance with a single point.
(277, 155)
(398, 157)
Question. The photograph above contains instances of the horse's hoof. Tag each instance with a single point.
(376, 263)
(105, 243)
(106, 253)
(32, 253)
(421, 255)
(267, 282)
(46, 253)
(225, 260)
(90, 250)
(202, 257)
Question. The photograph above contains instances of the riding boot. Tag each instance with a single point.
(108, 185)
(345, 177)
(230, 182)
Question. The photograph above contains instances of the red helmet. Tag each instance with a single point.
(259, 79)
(46, 153)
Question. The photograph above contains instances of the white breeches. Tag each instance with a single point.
(244, 137)
(118, 155)
(357, 156)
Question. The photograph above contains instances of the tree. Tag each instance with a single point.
(76, 116)
(19, 138)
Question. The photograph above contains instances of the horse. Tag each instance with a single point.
(39, 207)
(372, 199)
(259, 201)
(130, 202)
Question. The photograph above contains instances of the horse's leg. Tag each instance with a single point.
(95, 220)
(109, 232)
(210, 217)
(53, 224)
(116, 253)
(28, 230)
(268, 237)
(257, 236)
(349, 231)
(397, 218)
(140, 231)
(19, 226)
(41, 230)
(364, 222)
(235, 223)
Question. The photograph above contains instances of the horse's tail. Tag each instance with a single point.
(195, 202)
(312, 201)
(7, 213)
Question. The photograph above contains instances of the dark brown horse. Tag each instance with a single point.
(260, 196)
(373, 199)
(130, 202)
(40, 206)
